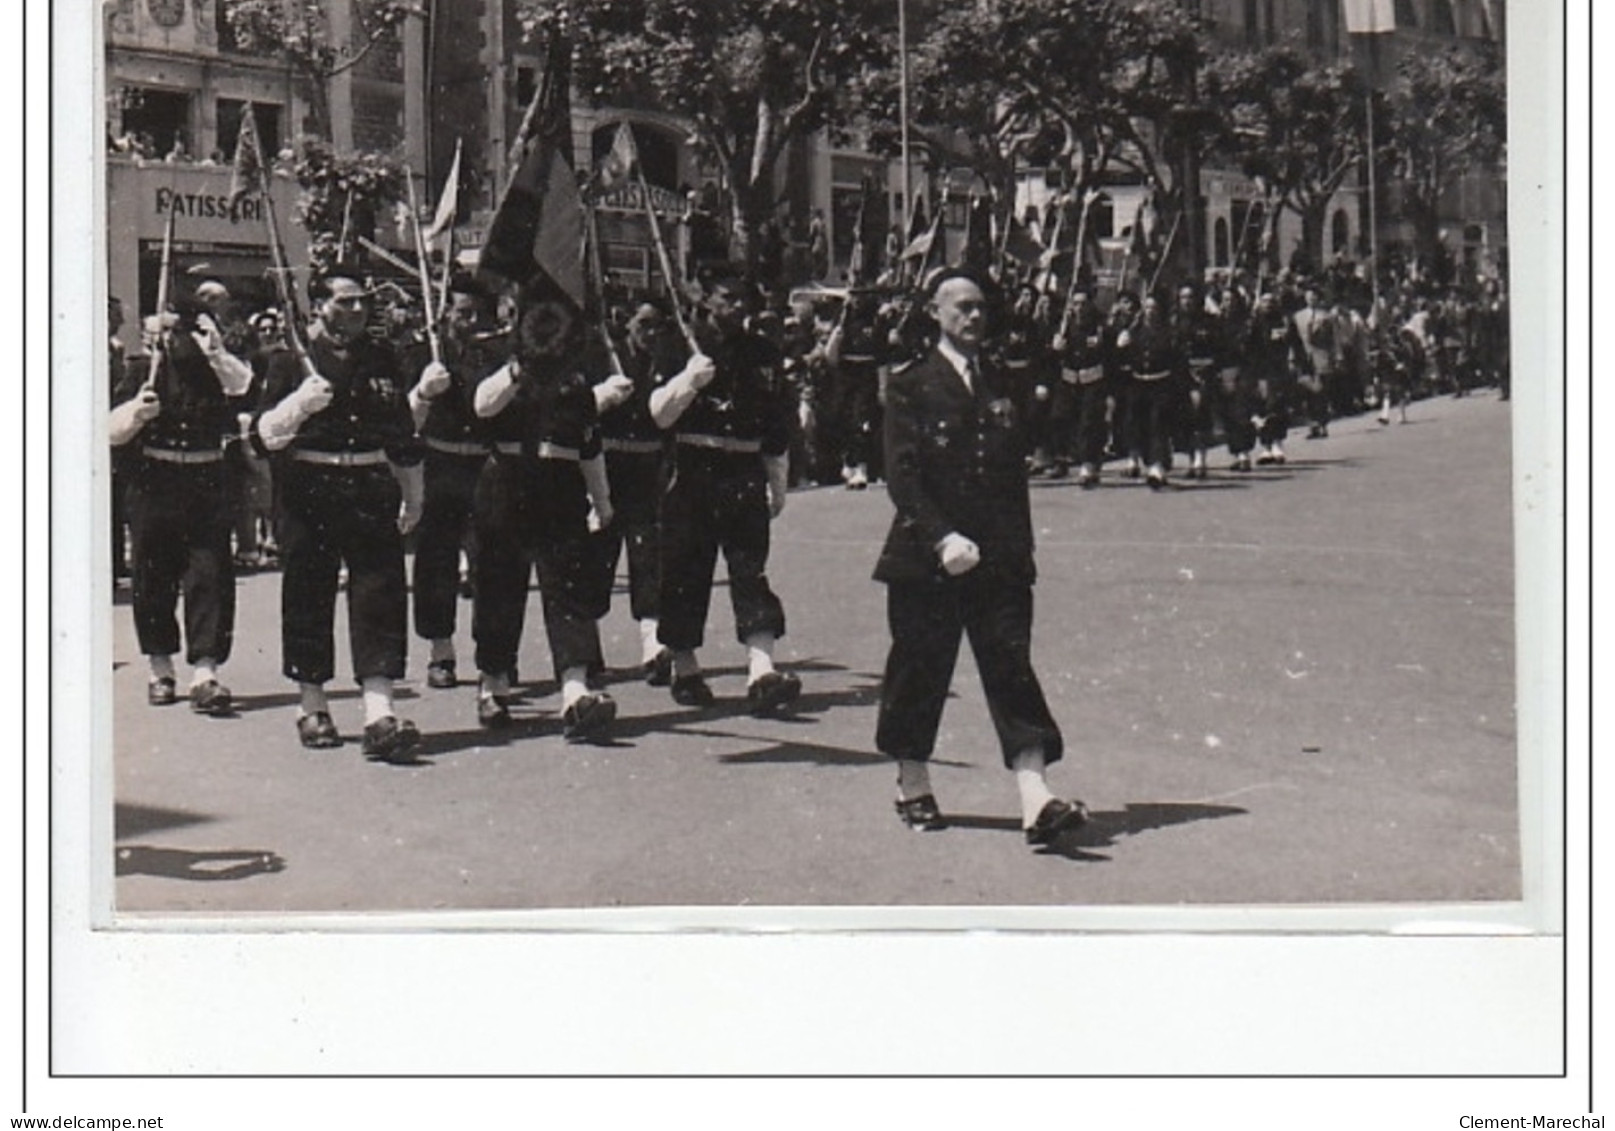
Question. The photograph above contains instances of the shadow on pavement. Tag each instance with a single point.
(184, 864)
(137, 820)
(1106, 827)
(243, 704)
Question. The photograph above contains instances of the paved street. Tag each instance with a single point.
(1291, 686)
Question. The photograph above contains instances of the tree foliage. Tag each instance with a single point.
(299, 33)
(340, 192)
(1296, 126)
(751, 75)
(1450, 118)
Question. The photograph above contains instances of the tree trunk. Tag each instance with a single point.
(1314, 219)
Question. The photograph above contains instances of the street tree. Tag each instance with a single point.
(1449, 118)
(1120, 82)
(300, 34)
(750, 75)
(1297, 127)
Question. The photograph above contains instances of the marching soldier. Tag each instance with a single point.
(854, 352)
(1156, 368)
(473, 346)
(1199, 343)
(728, 412)
(634, 448)
(1271, 347)
(1082, 345)
(172, 415)
(1315, 327)
(348, 488)
(533, 508)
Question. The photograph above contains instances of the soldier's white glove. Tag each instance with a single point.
(700, 370)
(804, 416)
(600, 515)
(959, 554)
(313, 395)
(435, 380)
(147, 406)
(1124, 339)
(611, 392)
(1041, 392)
(1058, 344)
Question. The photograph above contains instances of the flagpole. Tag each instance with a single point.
(1166, 252)
(164, 284)
(423, 269)
(1373, 216)
(277, 254)
(1088, 198)
(902, 96)
(662, 258)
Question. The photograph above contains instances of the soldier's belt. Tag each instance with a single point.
(339, 459)
(1201, 362)
(176, 455)
(637, 447)
(860, 358)
(720, 443)
(1162, 375)
(542, 450)
(1089, 374)
(453, 448)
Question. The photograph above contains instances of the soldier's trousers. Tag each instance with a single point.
(1240, 404)
(635, 480)
(533, 513)
(451, 485)
(715, 502)
(1150, 416)
(927, 619)
(1093, 421)
(328, 517)
(179, 522)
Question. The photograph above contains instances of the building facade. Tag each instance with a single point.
(177, 86)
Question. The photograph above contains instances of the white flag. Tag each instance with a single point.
(1368, 17)
(446, 203)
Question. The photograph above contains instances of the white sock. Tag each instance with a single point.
(443, 650)
(162, 667)
(313, 698)
(574, 685)
(759, 655)
(649, 646)
(203, 670)
(685, 664)
(492, 685)
(1030, 770)
(378, 698)
(913, 779)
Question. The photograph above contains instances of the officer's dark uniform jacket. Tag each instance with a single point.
(1271, 344)
(956, 462)
(1199, 341)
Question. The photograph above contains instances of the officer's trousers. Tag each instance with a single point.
(927, 619)
(179, 521)
(635, 479)
(329, 517)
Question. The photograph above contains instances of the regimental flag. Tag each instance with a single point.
(917, 224)
(247, 170)
(537, 230)
(1021, 245)
(448, 203)
(619, 162)
(863, 264)
(1368, 17)
(976, 254)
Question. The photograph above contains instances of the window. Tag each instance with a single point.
(265, 115)
(157, 120)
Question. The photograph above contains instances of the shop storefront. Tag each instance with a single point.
(213, 237)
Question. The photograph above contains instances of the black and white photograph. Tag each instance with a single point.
(1042, 468)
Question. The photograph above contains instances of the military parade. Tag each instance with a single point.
(424, 433)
